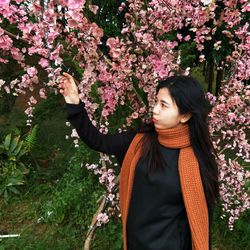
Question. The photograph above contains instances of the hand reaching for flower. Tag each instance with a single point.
(69, 89)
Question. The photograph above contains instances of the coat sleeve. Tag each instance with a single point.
(113, 144)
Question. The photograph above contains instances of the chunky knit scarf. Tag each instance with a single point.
(190, 180)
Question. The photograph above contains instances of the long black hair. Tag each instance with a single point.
(189, 97)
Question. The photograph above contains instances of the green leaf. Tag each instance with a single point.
(21, 153)
(14, 190)
(6, 142)
(14, 143)
(5, 194)
(2, 149)
(23, 168)
(17, 150)
(30, 140)
(14, 182)
(12, 158)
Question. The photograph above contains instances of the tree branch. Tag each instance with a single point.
(15, 36)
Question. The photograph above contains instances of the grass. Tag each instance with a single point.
(238, 239)
(71, 198)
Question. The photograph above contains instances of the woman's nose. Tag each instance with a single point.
(155, 110)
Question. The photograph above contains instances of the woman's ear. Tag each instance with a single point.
(185, 117)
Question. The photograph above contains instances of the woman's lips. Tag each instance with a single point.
(154, 120)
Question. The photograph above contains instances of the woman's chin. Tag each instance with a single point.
(158, 126)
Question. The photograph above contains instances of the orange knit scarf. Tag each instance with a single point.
(190, 179)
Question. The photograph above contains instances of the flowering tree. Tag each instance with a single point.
(126, 68)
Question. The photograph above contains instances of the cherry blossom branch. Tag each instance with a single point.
(103, 202)
(92, 226)
(137, 94)
(15, 36)
(101, 208)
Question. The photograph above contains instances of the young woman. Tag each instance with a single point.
(169, 177)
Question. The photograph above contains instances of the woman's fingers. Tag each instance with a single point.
(63, 82)
(68, 76)
(68, 88)
(61, 78)
(62, 89)
(62, 85)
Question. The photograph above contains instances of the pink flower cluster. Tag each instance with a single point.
(229, 125)
(102, 218)
(107, 178)
(232, 177)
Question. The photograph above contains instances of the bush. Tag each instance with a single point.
(12, 167)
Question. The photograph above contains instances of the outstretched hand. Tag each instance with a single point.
(68, 88)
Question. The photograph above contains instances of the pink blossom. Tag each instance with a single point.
(135, 115)
(2, 82)
(76, 4)
(93, 8)
(75, 141)
(7, 89)
(74, 133)
(32, 100)
(42, 93)
(72, 23)
(43, 62)
(29, 111)
(5, 42)
(246, 8)
(5, 61)
(187, 38)
(211, 98)
(4, 2)
(102, 218)
(206, 2)
(111, 197)
(32, 71)
(217, 45)
(179, 36)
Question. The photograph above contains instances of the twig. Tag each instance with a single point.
(92, 227)
(15, 36)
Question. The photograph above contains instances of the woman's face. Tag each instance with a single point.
(165, 112)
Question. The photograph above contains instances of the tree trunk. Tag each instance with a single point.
(210, 75)
(204, 69)
(219, 78)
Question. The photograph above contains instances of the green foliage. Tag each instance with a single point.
(71, 198)
(188, 55)
(109, 237)
(108, 17)
(47, 108)
(224, 239)
(6, 102)
(31, 139)
(171, 36)
(12, 167)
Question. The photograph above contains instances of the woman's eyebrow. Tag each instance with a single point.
(163, 101)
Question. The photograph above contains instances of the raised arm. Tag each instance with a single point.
(115, 144)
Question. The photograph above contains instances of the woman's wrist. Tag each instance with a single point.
(72, 100)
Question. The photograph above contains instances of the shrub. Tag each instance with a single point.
(12, 167)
